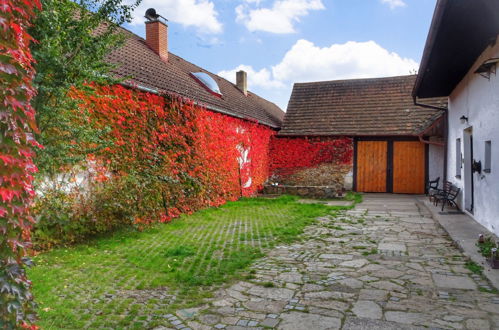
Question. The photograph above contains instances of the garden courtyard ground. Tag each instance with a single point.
(386, 264)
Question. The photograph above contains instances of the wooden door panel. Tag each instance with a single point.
(371, 166)
(409, 160)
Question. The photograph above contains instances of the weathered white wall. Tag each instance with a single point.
(478, 99)
(436, 155)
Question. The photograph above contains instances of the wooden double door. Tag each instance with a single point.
(390, 166)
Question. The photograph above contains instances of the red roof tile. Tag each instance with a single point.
(357, 107)
(140, 65)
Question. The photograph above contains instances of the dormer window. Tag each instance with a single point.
(207, 82)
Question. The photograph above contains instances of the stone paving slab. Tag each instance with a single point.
(326, 202)
(354, 323)
(384, 265)
(454, 282)
(464, 231)
(301, 321)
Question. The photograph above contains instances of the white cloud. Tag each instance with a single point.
(200, 14)
(280, 18)
(306, 62)
(394, 3)
(256, 79)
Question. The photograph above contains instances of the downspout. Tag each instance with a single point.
(446, 129)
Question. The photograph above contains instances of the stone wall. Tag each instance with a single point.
(322, 175)
(312, 162)
(305, 191)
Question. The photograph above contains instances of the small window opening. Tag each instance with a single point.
(459, 157)
(488, 157)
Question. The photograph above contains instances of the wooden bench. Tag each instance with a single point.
(432, 187)
(447, 195)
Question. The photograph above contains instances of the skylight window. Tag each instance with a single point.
(207, 82)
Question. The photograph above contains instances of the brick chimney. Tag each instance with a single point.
(157, 37)
(242, 82)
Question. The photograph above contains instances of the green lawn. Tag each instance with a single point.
(128, 280)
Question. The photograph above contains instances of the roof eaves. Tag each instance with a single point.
(207, 106)
(430, 43)
(434, 120)
(343, 135)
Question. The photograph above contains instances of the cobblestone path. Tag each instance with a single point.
(384, 265)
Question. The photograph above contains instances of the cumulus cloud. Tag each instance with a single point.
(280, 18)
(394, 3)
(200, 14)
(256, 79)
(306, 62)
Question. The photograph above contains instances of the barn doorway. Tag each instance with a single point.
(372, 166)
(394, 166)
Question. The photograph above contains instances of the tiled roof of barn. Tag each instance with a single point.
(358, 107)
(140, 65)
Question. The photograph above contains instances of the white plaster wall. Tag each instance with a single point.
(436, 155)
(478, 99)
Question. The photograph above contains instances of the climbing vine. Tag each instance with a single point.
(292, 154)
(160, 156)
(17, 124)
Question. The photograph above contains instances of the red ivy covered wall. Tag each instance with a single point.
(17, 125)
(200, 158)
(294, 159)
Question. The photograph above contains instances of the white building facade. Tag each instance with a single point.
(475, 139)
(461, 61)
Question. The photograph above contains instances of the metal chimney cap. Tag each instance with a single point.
(152, 16)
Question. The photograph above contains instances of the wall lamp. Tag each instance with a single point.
(463, 119)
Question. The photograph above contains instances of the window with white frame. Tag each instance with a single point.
(488, 157)
(459, 157)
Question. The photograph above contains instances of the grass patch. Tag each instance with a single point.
(353, 196)
(105, 282)
(180, 251)
(486, 247)
(474, 267)
(491, 290)
(370, 252)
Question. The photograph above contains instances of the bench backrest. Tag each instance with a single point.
(433, 184)
(447, 186)
(453, 192)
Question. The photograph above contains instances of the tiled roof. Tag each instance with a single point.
(140, 65)
(358, 107)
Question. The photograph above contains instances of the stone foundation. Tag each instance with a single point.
(322, 181)
(321, 175)
(305, 191)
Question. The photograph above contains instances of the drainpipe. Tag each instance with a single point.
(414, 97)
(446, 128)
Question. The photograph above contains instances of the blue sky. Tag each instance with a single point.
(280, 42)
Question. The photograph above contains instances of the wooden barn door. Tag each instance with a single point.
(371, 166)
(409, 164)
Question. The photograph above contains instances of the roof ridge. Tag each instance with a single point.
(357, 80)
